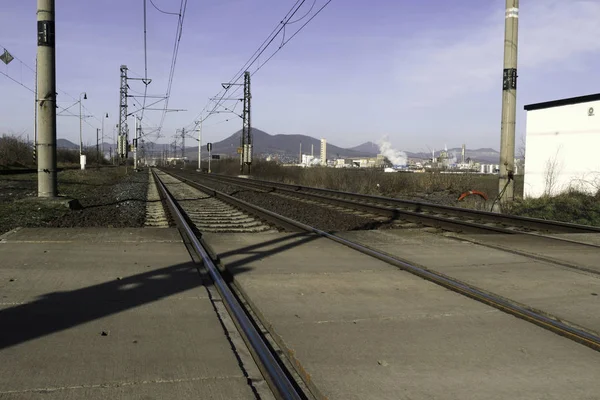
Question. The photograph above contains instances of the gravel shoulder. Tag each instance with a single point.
(110, 197)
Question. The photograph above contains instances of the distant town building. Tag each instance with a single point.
(323, 152)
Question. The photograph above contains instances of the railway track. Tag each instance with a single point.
(209, 214)
(454, 222)
(438, 216)
(278, 377)
(540, 318)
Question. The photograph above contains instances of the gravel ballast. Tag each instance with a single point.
(317, 216)
(110, 197)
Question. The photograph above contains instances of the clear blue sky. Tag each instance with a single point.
(424, 73)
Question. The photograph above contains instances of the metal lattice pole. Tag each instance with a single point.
(123, 129)
(246, 156)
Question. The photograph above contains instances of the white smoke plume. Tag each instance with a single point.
(452, 158)
(396, 157)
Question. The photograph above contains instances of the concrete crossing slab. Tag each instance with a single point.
(363, 329)
(110, 313)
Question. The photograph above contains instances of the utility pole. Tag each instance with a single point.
(123, 129)
(183, 145)
(46, 85)
(509, 103)
(200, 146)
(138, 128)
(246, 156)
(98, 146)
(81, 156)
(35, 118)
(300, 154)
(106, 116)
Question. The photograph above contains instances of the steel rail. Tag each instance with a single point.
(433, 220)
(566, 329)
(441, 222)
(423, 206)
(279, 382)
(436, 220)
(394, 213)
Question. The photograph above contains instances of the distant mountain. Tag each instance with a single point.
(266, 144)
(284, 147)
(367, 148)
(287, 147)
(66, 144)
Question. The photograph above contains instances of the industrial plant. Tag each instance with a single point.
(390, 160)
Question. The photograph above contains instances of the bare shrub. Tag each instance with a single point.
(553, 170)
(15, 152)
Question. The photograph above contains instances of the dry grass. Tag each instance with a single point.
(572, 206)
(435, 187)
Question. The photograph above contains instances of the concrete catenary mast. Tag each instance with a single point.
(46, 103)
(509, 103)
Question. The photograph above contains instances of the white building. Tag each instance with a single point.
(307, 160)
(562, 146)
(323, 152)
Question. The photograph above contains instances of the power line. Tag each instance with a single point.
(58, 89)
(18, 59)
(17, 82)
(145, 62)
(179, 32)
(305, 15)
(262, 48)
(239, 74)
(291, 37)
(62, 109)
(287, 20)
(164, 12)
